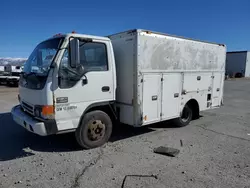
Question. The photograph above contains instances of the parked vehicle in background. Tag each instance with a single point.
(12, 81)
(136, 77)
(3, 79)
(1, 69)
(8, 68)
(12, 75)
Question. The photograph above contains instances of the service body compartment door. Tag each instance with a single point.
(197, 81)
(151, 98)
(171, 95)
(217, 89)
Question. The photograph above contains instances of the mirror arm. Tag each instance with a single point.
(84, 80)
(52, 65)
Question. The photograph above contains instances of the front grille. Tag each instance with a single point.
(28, 108)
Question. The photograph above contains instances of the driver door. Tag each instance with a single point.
(78, 88)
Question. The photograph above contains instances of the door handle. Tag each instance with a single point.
(105, 88)
(176, 95)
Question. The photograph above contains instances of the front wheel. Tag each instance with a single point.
(94, 130)
(186, 117)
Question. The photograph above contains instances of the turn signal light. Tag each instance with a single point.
(48, 110)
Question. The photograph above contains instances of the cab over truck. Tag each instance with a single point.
(136, 77)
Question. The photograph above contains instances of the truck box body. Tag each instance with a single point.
(157, 74)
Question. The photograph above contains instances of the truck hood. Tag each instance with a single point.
(36, 97)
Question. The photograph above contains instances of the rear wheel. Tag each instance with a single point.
(186, 117)
(94, 130)
(238, 75)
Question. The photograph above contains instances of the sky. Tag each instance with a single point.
(25, 23)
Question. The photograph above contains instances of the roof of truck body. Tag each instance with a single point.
(107, 38)
(159, 33)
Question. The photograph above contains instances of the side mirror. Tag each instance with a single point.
(74, 52)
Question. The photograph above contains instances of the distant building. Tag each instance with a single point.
(238, 64)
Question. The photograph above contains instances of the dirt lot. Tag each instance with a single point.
(215, 151)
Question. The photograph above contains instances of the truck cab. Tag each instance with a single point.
(65, 78)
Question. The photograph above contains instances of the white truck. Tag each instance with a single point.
(13, 75)
(136, 77)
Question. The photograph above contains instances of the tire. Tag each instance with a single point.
(94, 130)
(16, 84)
(8, 84)
(238, 75)
(186, 117)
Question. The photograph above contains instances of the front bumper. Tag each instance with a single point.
(42, 128)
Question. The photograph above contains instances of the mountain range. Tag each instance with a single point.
(12, 61)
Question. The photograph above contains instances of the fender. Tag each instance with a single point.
(99, 105)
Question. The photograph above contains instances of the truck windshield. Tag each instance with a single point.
(36, 68)
(41, 58)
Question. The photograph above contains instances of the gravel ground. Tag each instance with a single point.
(215, 152)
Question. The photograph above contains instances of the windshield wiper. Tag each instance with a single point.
(25, 75)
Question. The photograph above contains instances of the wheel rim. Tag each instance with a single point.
(96, 130)
(185, 114)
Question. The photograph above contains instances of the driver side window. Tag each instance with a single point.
(93, 57)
